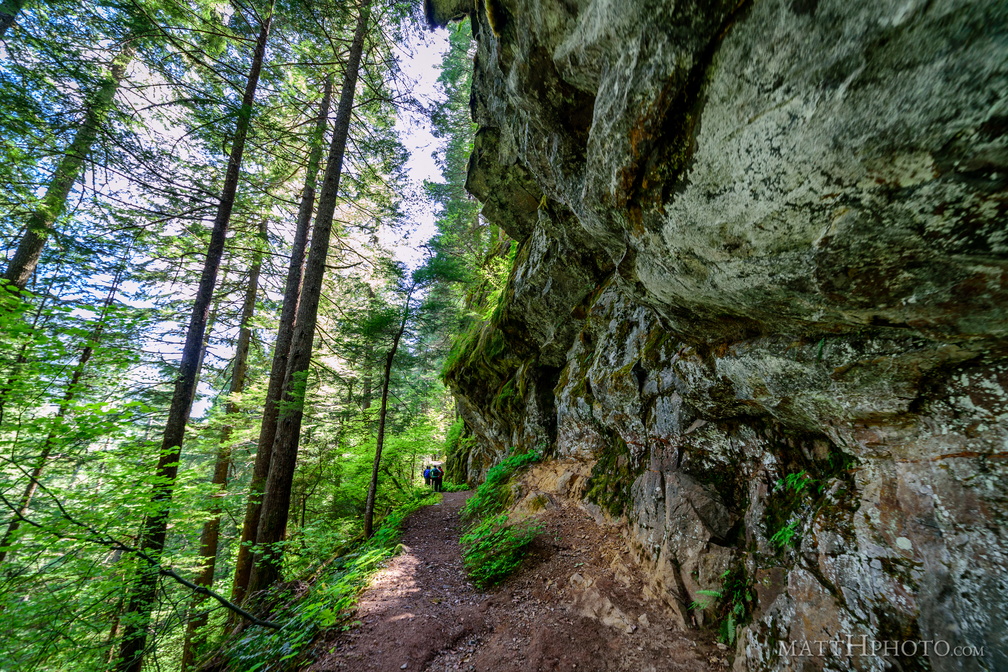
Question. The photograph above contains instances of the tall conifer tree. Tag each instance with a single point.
(277, 493)
(152, 540)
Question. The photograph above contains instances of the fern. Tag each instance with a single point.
(494, 548)
(493, 496)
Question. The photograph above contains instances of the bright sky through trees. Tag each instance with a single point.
(421, 59)
(143, 159)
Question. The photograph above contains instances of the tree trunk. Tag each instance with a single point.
(382, 413)
(73, 387)
(367, 380)
(276, 495)
(113, 632)
(281, 351)
(9, 9)
(43, 218)
(152, 538)
(210, 536)
(366, 393)
(208, 332)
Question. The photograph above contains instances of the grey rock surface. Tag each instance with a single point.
(761, 283)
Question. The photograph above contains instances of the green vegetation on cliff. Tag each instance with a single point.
(492, 546)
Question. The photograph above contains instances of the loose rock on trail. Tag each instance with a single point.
(576, 605)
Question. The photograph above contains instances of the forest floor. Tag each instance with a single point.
(576, 605)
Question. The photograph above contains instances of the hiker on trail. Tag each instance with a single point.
(426, 476)
(436, 475)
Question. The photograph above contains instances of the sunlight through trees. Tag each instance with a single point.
(215, 375)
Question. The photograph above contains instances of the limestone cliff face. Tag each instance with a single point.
(760, 297)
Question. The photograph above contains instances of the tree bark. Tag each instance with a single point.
(382, 414)
(43, 218)
(281, 350)
(208, 331)
(210, 537)
(276, 495)
(367, 382)
(366, 393)
(152, 540)
(113, 632)
(73, 387)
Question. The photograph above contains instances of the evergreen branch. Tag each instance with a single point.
(96, 537)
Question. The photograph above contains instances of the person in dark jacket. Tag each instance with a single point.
(426, 476)
(436, 475)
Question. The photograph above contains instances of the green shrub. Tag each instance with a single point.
(494, 548)
(493, 496)
(454, 487)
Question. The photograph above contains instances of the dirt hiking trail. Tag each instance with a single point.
(576, 605)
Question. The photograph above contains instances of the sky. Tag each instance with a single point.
(420, 61)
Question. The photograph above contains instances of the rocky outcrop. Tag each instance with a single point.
(761, 294)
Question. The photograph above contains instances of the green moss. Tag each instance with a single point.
(653, 351)
(612, 477)
(580, 388)
(493, 342)
(506, 398)
(484, 340)
(508, 391)
(461, 351)
(457, 448)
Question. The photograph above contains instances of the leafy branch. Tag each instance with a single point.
(95, 536)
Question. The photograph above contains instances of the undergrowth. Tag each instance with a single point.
(324, 604)
(492, 547)
(494, 494)
(457, 448)
(732, 603)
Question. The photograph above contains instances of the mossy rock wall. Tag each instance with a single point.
(761, 289)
